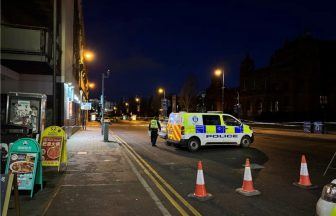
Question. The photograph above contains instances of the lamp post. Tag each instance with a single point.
(164, 103)
(127, 109)
(102, 98)
(219, 72)
(137, 100)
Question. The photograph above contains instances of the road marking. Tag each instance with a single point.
(157, 184)
(157, 201)
(81, 153)
(137, 157)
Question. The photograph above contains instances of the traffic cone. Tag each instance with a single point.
(247, 189)
(200, 191)
(304, 181)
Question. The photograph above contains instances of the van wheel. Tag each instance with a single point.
(194, 144)
(245, 141)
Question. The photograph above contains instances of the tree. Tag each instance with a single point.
(188, 94)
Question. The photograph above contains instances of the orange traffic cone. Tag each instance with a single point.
(304, 181)
(200, 191)
(247, 189)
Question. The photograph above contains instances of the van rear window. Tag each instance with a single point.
(211, 120)
(175, 119)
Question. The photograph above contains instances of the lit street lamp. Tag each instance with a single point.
(137, 100)
(127, 105)
(164, 101)
(219, 72)
(162, 91)
(88, 55)
(92, 85)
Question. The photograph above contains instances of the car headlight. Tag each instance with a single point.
(329, 193)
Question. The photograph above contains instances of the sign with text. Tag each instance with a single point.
(86, 106)
(53, 144)
(24, 165)
(51, 150)
(24, 160)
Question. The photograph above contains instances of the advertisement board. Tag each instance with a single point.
(53, 145)
(51, 150)
(25, 160)
(24, 165)
(26, 109)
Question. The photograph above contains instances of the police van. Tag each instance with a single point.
(202, 129)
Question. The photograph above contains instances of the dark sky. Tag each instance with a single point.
(159, 43)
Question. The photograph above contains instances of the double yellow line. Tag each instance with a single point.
(159, 182)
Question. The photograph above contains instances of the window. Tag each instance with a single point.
(211, 120)
(229, 121)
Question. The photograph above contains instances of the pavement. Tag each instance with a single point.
(293, 133)
(99, 179)
(127, 176)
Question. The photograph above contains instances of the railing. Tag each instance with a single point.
(32, 43)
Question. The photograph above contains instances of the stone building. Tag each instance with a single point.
(298, 83)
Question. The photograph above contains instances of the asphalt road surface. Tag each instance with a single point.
(276, 165)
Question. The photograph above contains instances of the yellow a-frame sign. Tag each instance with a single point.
(53, 145)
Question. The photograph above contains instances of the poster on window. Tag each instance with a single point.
(51, 150)
(24, 113)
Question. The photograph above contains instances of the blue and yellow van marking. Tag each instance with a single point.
(239, 129)
(200, 128)
(220, 129)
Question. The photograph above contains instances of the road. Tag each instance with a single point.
(277, 159)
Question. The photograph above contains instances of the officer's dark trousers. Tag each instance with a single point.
(154, 135)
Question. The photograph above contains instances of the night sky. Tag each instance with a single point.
(159, 43)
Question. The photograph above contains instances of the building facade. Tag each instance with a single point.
(298, 83)
(28, 61)
(213, 97)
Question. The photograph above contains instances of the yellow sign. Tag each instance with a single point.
(53, 145)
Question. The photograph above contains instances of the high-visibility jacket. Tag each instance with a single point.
(154, 124)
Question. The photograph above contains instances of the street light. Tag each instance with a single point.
(88, 55)
(137, 100)
(92, 85)
(164, 101)
(127, 107)
(102, 97)
(162, 91)
(218, 72)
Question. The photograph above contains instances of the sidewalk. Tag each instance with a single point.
(99, 180)
(294, 133)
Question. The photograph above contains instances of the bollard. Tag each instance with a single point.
(106, 131)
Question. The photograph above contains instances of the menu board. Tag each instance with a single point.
(24, 164)
(51, 150)
(53, 145)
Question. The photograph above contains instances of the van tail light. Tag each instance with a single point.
(182, 130)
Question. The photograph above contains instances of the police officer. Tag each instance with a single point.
(154, 127)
